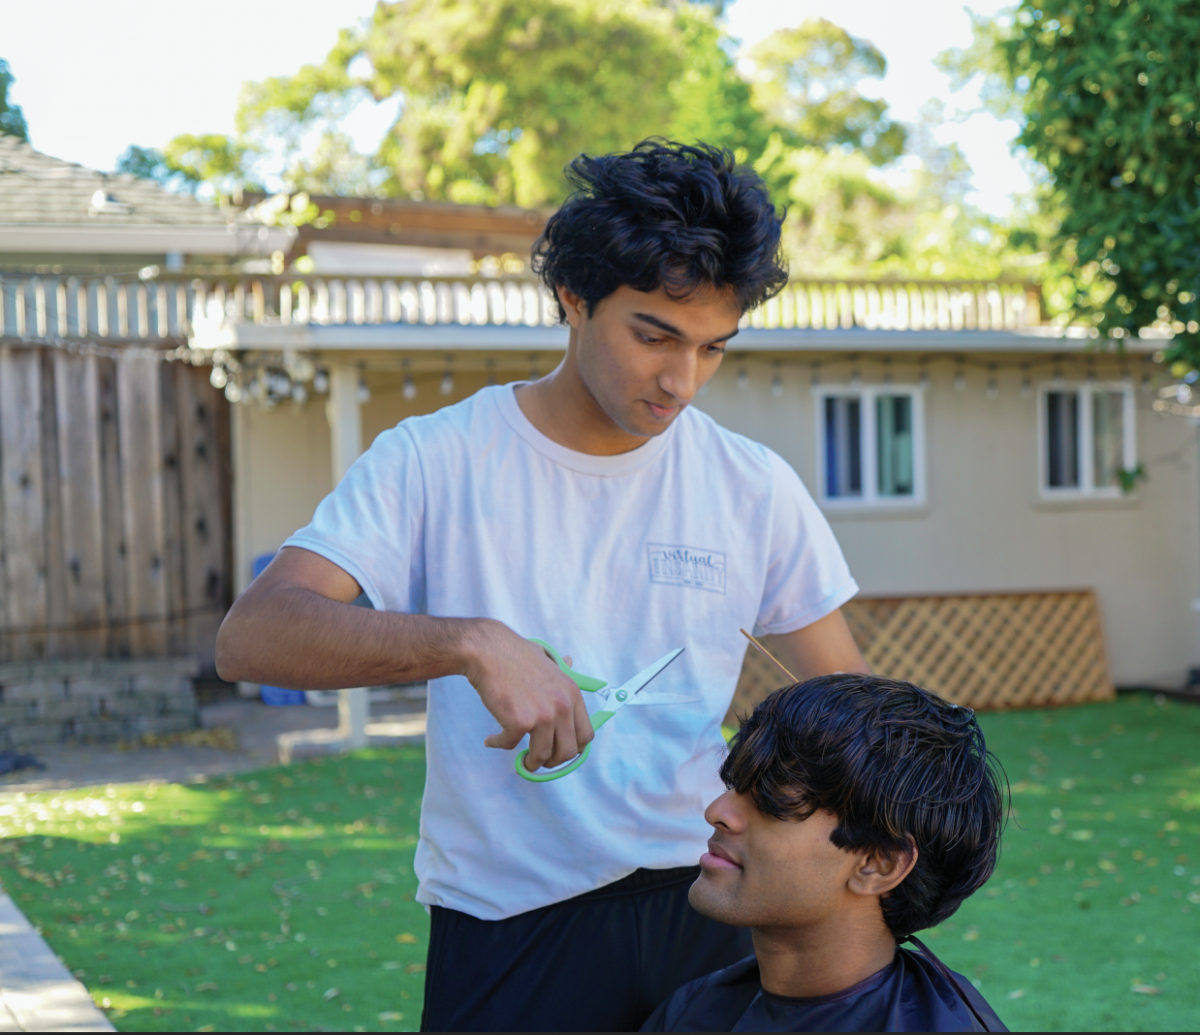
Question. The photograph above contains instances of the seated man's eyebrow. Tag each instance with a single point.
(662, 325)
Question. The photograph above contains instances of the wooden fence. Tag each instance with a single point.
(114, 505)
(988, 651)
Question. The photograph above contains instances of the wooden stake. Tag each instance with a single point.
(769, 656)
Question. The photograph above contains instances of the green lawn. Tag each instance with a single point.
(282, 900)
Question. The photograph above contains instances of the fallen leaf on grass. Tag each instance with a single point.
(415, 968)
(391, 1015)
(406, 939)
(1147, 989)
(207, 986)
(331, 993)
(392, 964)
(1016, 993)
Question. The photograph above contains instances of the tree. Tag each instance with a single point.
(805, 82)
(191, 162)
(1107, 92)
(12, 119)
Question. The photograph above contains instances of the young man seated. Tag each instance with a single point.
(858, 810)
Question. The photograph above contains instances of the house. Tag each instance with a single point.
(981, 469)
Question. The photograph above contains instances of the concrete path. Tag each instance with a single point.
(37, 993)
(259, 729)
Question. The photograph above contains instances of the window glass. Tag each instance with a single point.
(1062, 440)
(843, 447)
(894, 422)
(1108, 437)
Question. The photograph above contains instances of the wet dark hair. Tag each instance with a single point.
(664, 215)
(891, 761)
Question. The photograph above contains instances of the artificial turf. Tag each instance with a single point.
(283, 899)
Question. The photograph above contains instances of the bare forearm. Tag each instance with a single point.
(297, 638)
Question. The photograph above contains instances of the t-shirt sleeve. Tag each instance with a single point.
(372, 524)
(807, 575)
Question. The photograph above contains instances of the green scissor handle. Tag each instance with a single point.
(589, 683)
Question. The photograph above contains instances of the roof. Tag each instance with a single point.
(36, 188)
(484, 229)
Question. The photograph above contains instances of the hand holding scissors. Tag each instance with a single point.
(611, 699)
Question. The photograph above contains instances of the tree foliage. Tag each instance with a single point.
(12, 119)
(806, 80)
(1109, 95)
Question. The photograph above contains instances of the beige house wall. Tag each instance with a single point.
(982, 528)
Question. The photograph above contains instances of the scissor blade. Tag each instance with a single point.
(642, 679)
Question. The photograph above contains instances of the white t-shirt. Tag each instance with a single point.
(615, 560)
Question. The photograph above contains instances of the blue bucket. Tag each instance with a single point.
(274, 695)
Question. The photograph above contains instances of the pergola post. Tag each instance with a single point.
(345, 427)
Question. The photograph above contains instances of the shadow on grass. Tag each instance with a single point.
(275, 900)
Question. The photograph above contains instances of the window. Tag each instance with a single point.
(871, 446)
(1086, 439)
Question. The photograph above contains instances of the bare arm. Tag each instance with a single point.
(819, 649)
(295, 626)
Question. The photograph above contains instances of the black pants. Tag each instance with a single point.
(599, 962)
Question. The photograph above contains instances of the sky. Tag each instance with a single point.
(141, 71)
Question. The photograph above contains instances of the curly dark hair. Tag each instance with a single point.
(664, 215)
(892, 762)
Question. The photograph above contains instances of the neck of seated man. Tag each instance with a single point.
(813, 908)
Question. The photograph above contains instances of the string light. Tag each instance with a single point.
(993, 386)
(321, 382)
(855, 378)
(924, 380)
(364, 393)
(960, 379)
(743, 379)
(491, 371)
(218, 378)
(533, 366)
(777, 381)
(299, 394)
(816, 373)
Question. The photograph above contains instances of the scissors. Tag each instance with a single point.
(613, 699)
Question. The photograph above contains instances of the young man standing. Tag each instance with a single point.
(593, 509)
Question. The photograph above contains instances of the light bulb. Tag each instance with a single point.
(993, 389)
(855, 377)
(364, 393)
(233, 392)
(218, 378)
(299, 394)
(816, 374)
(925, 380)
(960, 381)
(1147, 385)
(410, 389)
(777, 386)
(1026, 387)
(320, 382)
(447, 385)
(743, 379)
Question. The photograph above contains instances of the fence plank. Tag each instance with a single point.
(203, 426)
(22, 501)
(59, 641)
(140, 433)
(173, 560)
(115, 559)
(79, 469)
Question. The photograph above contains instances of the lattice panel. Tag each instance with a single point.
(1004, 650)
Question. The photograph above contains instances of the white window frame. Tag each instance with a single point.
(1087, 489)
(870, 499)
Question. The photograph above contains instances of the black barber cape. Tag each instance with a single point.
(915, 992)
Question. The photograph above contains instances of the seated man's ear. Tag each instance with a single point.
(879, 872)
